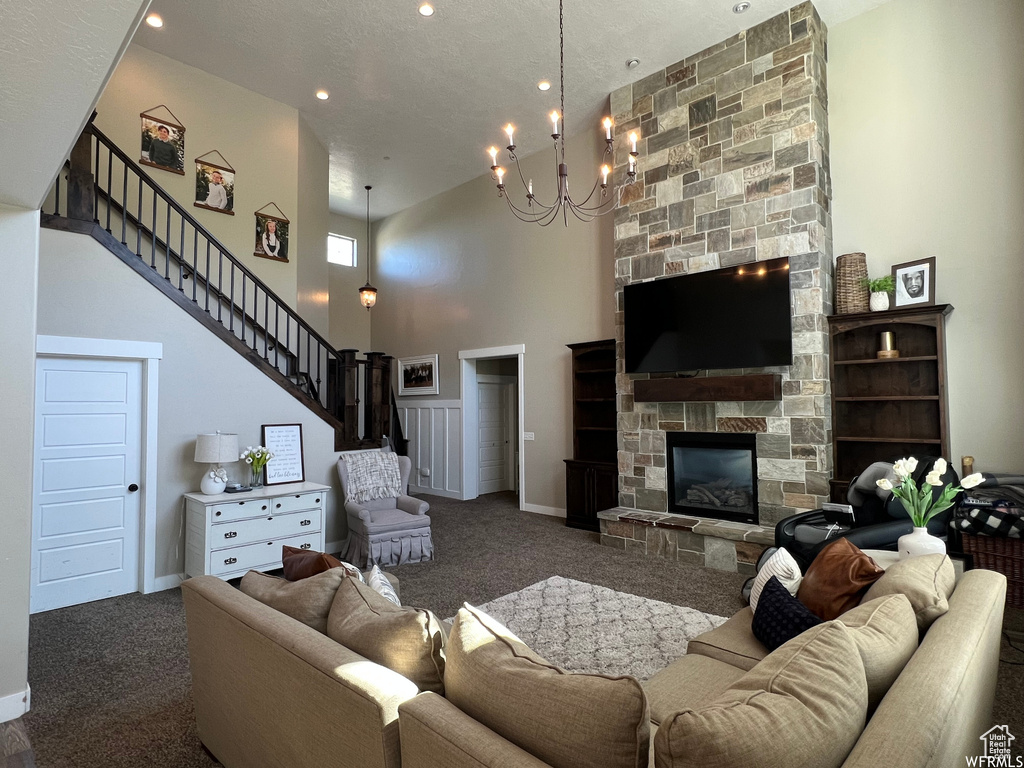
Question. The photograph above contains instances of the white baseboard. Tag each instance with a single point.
(542, 510)
(414, 489)
(17, 704)
(172, 581)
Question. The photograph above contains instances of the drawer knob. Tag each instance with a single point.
(318, 501)
(278, 505)
(270, 543)
(217, 513)
(264, 506)
(241, 503)
(306, 522)
(305, 546)
(231, 561)
(230, 534)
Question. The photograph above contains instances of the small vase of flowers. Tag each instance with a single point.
(256, 458)
(880, 289)
(921, 503)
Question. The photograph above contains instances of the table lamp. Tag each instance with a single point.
(216, 449)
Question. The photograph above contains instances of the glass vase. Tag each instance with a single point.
(256, 478)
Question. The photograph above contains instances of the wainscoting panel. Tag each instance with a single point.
(434, 431)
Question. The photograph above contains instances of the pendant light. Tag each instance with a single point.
(368, 294)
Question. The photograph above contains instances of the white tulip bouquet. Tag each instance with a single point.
(920, 502)
(257, 459)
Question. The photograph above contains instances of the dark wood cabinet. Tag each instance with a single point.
(591, 477)
(887, 408)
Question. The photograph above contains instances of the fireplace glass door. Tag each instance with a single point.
(713, 476)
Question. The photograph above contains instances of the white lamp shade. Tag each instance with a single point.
(216, 449)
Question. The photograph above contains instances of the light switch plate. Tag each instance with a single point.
(528, 436)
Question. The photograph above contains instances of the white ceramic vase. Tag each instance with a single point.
(879, 301)
(920, 542)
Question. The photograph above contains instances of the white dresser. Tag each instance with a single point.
(230, 533)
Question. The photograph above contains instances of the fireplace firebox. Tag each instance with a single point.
(713, 475)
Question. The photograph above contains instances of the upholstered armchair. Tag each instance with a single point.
(388, 531)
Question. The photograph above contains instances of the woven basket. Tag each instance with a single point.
(852, 293)
(1003, 555)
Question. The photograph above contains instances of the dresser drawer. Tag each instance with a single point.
(266, 555)
(232, 534)
(239, 510)
(297, 501)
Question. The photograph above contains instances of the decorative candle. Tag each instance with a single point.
(554, 123)
(887, 340)
(608, 128)
(509, 129)
(493, 152)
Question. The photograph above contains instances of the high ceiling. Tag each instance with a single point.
(432, 93)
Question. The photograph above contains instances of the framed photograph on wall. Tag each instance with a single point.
(163, 142)
(285, 442)
(215, 184)
(417, 375)
(271, 235)
(915, 282)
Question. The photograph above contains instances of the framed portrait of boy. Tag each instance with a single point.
(271, 237)
(215, 187)
(915, 282)
(163, 144)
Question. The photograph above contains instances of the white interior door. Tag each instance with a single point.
(494, 438)
(88, 466)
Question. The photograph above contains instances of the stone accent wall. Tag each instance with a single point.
(733, 161)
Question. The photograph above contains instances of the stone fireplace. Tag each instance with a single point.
(734, 169)
(712, 475)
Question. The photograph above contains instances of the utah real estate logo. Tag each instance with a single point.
(997, 750)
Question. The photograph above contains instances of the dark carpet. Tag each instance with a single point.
(110, 679)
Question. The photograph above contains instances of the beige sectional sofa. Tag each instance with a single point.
(270, 691)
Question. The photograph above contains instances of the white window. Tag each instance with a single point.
(341, 250)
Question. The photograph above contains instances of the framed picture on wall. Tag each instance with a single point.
(215, 184)
(271, 235)
(163, 142)
(418, 375)
(285, 442)
(915, 282)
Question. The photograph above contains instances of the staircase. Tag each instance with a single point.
(103, 193)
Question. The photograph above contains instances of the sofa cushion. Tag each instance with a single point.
(406, 640)
(300, 564)
(885, 633)
(779, 616)
(567, 720)
(803, 706)
(926, 580)
(837, 579)
(781, 565)
(688, 683)
(380, 584)
(733, 642)
(308, 601)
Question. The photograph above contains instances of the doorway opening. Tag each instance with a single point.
(492, 406)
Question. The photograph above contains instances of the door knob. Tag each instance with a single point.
(133, 488)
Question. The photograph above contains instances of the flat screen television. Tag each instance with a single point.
(727, 318)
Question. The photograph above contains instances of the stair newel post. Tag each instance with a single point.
(81, 181)
(386, 404)
(374, 396)
(343, 397)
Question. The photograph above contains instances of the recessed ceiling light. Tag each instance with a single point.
(426, 10)
(741, 7)
(323, 95)
(154, 20)
(632, 63)
(544, 85)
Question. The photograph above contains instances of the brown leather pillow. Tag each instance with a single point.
(837, 579)
(302, 563)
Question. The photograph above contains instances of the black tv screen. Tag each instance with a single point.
(728, 318)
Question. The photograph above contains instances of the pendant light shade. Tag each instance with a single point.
(368, 294)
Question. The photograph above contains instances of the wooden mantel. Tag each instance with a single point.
(763, 386)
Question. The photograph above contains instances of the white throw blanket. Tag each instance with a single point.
(373, 475)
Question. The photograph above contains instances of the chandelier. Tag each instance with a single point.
(368, 294)
(537, 212)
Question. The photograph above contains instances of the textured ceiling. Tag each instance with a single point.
(432, 93)
(55, 57)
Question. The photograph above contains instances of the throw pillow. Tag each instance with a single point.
(300, 564)
(380, 584)
(803, 706)
(885, 633)
(837, 579)
(782, 566)
(779, 616)
(406, 640)
(495, 679)
(926, 580)
(308, 601)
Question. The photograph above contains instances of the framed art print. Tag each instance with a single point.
(915, 282)
(417, 375)
(163, 142)
(285, 442)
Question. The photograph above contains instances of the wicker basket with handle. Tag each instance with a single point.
(1003, 555)
(852, 293)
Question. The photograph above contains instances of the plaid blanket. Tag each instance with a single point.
(373, 475)
(1004, 522)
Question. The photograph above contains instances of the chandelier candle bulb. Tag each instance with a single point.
(493, 152)
(529, 188)
(632, 141)
(554, 123)
(509, 129)
(604, 174)
(500, 173)
(608, 128)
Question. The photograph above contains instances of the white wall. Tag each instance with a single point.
(459, 272)
(926, 104)
(205, 385)
(312, 276)
(19, 233)
(350, 322)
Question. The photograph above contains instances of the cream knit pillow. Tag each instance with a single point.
(781, 565)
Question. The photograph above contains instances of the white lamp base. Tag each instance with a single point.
(212, 484)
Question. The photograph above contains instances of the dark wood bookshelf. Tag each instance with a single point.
(887, 408)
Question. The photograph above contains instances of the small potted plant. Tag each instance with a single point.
(880, 289)
(257, 459)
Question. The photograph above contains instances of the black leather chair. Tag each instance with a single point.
(878, 521)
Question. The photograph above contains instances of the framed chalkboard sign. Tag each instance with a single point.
(285, 442)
